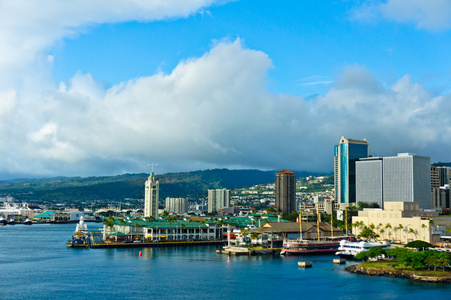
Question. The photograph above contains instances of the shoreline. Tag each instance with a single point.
(405, 274)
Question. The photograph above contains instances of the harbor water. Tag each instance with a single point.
(35, 263)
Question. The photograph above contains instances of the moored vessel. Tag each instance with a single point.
(27, 222)
(3, 221)
(11, 221)
(80, 239)
(349, 249)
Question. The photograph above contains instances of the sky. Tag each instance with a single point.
(93, 88)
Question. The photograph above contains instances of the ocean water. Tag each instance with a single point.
(35, 264)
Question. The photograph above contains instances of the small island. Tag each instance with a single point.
(416, 261)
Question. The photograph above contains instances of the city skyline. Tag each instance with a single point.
(97, 88)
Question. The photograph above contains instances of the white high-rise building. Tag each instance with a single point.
(406, 178)
(218, 198)
(176, 205)
(151, 196)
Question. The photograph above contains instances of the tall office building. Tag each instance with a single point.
(285, 192)
(444, 175)
(176, 205)
(218, 198)
(406, 178)
(346, 153)
(151, 196)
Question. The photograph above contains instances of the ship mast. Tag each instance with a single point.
(332, 217)
(300, 224)
(317, 219)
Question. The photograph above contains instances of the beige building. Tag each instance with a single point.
(403, 222)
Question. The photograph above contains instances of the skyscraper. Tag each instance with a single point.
(218, 198)
(151, 195)
(405, 178)
(346, 153)
(285, 192)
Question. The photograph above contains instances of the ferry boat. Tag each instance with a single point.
(349, 249)
(299, 247)
(3, 221)
(80, 239)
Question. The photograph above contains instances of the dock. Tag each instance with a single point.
(156, 244)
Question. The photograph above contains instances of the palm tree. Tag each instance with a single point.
(136, 227)
(400, 228)
(412, 231)
(388, 226)
(254, 235)
(423, 227)
(381, 232)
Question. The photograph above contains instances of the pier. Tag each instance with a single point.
(156, 244)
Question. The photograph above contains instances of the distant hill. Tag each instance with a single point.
(446, 164)
(132, 185)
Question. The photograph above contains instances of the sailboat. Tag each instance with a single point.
(301, 246)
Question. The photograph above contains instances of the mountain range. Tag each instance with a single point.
(125, 186)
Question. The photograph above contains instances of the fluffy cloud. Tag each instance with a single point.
(215, 111)
(210, 111)
(427, 14)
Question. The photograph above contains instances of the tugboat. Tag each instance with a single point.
(80, 239)
(27, 222)
(3, 220)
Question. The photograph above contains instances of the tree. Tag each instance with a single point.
(254, 235)
(367, 232)
(419, 245)
(400, 228)
(165, 213)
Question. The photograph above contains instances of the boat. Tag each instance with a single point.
(349, 249)
(27, 222)
(80, 239)
(3, 221)
(301, 246)
(11, 221)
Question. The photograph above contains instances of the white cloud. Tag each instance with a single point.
(210, 111)
(427, 14)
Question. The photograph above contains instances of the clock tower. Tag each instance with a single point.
(151, 196)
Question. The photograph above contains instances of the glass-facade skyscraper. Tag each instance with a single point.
(346, 153)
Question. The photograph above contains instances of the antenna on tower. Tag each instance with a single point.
(151, 164)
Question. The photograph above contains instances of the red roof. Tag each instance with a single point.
(286, 172)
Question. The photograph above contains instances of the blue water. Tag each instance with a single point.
(35, 263)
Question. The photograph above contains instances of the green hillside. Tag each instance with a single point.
(132, 185)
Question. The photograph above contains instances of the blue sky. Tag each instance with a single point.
(100, 88)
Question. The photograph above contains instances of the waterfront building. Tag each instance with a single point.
(405, 177)
(346, 153)
(285, 192)
(217, 199)
(151, 196)
(176, 205)
(403, 222)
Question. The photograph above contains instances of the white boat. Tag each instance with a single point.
(3, 221)
(81, 237)
(28, 222)
(350, 249)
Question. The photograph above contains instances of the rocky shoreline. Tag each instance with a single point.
(358, 269)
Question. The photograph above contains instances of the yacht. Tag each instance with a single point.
(350, 249)
(3, 221)
(27, 222)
